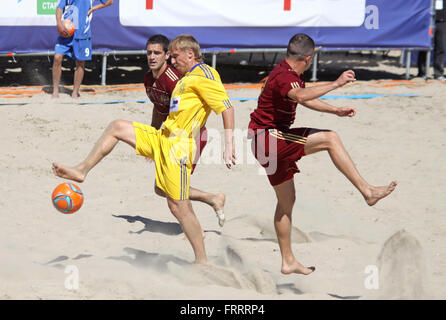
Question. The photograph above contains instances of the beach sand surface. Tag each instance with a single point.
(125, 244)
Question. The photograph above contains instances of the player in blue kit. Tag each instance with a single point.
(78, 46)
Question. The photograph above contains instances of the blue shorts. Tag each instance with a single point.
(77, 49)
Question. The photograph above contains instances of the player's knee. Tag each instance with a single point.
(289, 201)
(286, 203)
(174, 208)
(181, 209)
(80, 64)
(118, 126)
(58, 59)
(333, 138)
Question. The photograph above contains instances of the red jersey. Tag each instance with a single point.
(274, 108)
(159, 90)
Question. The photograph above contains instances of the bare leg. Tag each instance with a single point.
(182, 210)
(57, 72)
(78, 76)
(330, 141)
(216, 201)
(282, 222)
(118, 130)
(161, 193)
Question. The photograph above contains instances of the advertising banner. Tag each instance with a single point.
(246, 13)
(30, 25)
(28, 13)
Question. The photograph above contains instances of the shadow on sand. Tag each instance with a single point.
(142, 259)
(150, 225)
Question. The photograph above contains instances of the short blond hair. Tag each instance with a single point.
(187, 42)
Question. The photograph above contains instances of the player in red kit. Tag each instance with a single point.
(277, 147)
(159, 82)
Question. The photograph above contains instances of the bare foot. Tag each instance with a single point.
(218, 206)
(56, 90)
(68, 173)
(377, 193)
(296, 267)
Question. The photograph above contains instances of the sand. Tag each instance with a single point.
(125, 244)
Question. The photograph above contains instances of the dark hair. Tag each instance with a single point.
(159, 39)
(300, 46)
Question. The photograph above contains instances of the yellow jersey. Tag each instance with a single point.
(173, 146)
(196, 94)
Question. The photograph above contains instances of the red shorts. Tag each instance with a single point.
(278, 151)
(200, 140)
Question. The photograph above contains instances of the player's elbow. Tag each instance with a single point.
(109, 2)
(297, 95)
(300, 99)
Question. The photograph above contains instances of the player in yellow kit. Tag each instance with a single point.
(187, 114)
(173, 146)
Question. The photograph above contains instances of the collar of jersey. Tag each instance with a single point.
(290, 69)
(198, 64)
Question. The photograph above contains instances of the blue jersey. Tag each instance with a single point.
(76, 11)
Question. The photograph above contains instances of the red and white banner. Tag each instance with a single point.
(242, 13)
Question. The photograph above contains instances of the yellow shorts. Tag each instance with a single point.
(172, 157)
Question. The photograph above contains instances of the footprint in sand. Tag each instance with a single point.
(234, 274)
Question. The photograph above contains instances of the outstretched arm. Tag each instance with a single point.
(100, 6)
(321, 106)
(228, 124)
(305, 94)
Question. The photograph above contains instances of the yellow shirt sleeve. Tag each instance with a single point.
(213, 93)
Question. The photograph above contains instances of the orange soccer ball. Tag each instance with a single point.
(67, 198)
(69, 25)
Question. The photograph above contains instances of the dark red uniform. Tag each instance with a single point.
(159, 92)
(274, 144)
